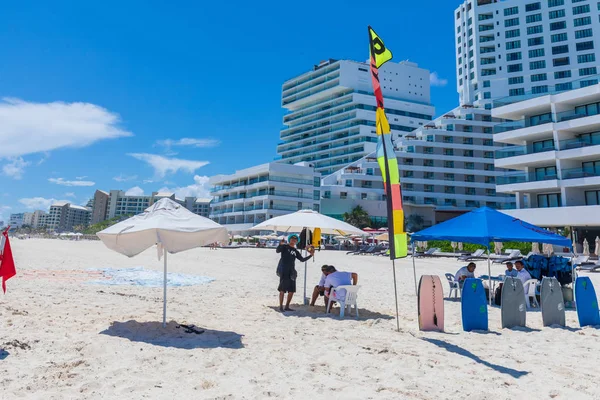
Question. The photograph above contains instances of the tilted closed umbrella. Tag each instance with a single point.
(167, 224)
(597, 249)
(498, 247)
(535, 248)
(586, 248)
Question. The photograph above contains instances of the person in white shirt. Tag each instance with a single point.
(465, 272)
(319, 290)
(522, 273)
(337, 278)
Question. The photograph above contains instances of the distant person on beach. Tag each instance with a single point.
(287, 269)
(337, 278)
(522, 273)
(465, 272)
(510, 271)
(319, 290)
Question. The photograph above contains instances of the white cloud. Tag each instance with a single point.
(148, 181)
(191, 142)
(62, 182)
(4, 214)
(28, 128)
(15, 168)
(200, 188)
(435, 80)
(42, 160)
(163, 165)
(80, 177)
(135, 191)
(70, 194)
(125, 178)
(35, 203)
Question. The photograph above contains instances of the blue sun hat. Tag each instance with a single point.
(293, 235)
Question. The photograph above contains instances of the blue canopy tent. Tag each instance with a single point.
(486, 225)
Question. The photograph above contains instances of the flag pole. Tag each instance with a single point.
(489, 276)
(396, 294)
(305, 264)
(414, 269)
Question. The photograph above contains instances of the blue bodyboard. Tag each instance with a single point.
(587, 302)
(474, 306)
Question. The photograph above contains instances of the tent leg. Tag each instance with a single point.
(165, 292)
(305, 266)
(489, 277)
(414, 269)
(396, 295)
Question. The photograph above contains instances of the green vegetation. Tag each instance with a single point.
(358, 217)
(445, 246)
(93, 229)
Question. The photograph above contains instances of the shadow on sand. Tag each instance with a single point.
(465, 353)
(315, 312)
(172, 336)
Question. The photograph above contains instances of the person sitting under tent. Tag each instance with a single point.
(510, 271)
(522, 273)
(465, 272)
(337, 278)
(319, 290)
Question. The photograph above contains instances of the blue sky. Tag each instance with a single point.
(101, 94)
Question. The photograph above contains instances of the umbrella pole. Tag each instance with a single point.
(396, 294)
(165, 291)
(489, 277)
(414, 269)
(305, 265)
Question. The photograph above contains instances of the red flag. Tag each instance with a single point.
(7, 264)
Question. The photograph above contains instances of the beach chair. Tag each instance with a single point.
(477, 255)
(349, 299)
(513, 256)
(429, 253)
(580, 261)
(454, 286)
(368, 250)
(530, 288)
(360, 249)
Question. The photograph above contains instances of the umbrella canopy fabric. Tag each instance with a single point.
(165, 222)
(535, 248)
(498, 247)
(586, 248)
(383, 236)
(299, 220)
(486, 225)
(548, 249)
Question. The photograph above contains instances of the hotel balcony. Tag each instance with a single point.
(516, 157)
(516, 132)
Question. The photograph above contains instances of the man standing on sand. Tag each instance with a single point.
(319, 290)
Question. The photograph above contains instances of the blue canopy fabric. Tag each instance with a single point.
(486, 225)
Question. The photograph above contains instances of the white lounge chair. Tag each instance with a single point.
(580, 261)
(530, 288)
(454, 286)
(477, 255)
(512, 256)
(348, 300)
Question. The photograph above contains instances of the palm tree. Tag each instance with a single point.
(357, 217)
(414, 223)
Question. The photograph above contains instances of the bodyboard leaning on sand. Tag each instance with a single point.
(474, 306)
(513, 303)
(431, 303)
(552, 303)
(587, 302)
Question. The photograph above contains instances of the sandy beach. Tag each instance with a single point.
(63, 338)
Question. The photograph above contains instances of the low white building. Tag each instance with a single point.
(16, 220)
(253, 195)
(556, 149)
(64, 216)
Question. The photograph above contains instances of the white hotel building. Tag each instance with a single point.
(331, 111)
(557, 150)
(253, 195)
(521, 47)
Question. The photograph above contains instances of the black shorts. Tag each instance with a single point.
(322, 292)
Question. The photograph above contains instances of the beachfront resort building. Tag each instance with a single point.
(330, 120)
(64, 216)
(556, 149)
(516, 48)
(99, 206)
(253, 195)
(16, 220)
(446, 169)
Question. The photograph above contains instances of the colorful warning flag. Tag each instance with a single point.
(386, 156)
(7, 264)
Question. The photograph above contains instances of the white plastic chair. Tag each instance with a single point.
(530, 288)
(348, 301)
(454, 286)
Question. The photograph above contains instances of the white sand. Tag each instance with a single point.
(86, 341)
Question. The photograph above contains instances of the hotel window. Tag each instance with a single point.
(543, 145)
(486, 84)
(545, 173)
(467, 153)
(585, 46)
(343, 195)
(449, 189)
(537, 64)
(539, 77)
(488, 154)
(449, 202)
(536, 53)
(428, 150)
(556, 3)
(488, 142)
(515, 44)
(582, 21)
(448, 177)
(554, 26)
(539, 89)
(585, 58)
(490, 179)
(512, 33)
(448, 164)
(514, 68)
(513, 56)
(592, 198)
(581, 9)
(511, 22)
(487, 95)
(559, 62)
(511, 11)
(536, 41)
(467, 140)
(448, 139)
(428, 163)
(559, 37)
(561, 87)
(533, 18)
(407, 186)
(407, 174)
(556, 14)
(560, 49)
(448, 152)
(490, 192)
(430, 200)
(533, 6)
(428, 188)
(516, 92)
(588, 71)
(591, 167)
(470, 191)
(515, 80)
(428, 175)
(488, 167)
(562, 74)
(469, 178)
(549, 200)
(585, 33)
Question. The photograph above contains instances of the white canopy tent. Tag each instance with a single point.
(311, 220)
(168, 225)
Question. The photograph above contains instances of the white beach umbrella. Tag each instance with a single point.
(597, 249)
(535, 248)
(309, 219)
(574, 246)
(167, 224)
(586, 248)
(383, 236)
